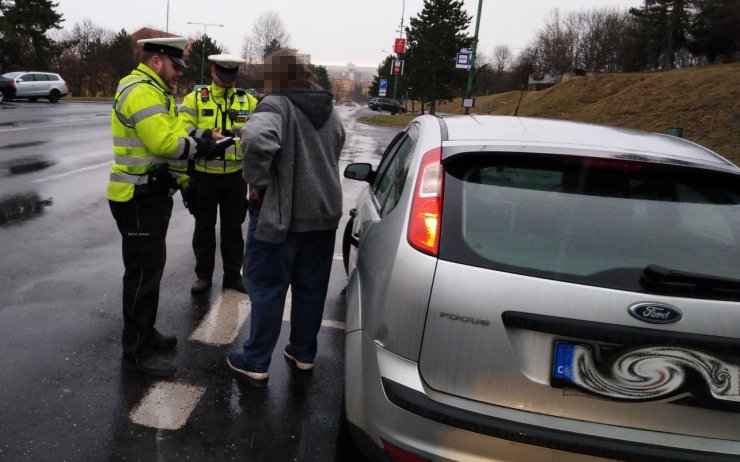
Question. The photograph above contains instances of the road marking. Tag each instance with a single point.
(14, 129)
(167, 405)
(224, 319)
(71, 172)
(324, 322)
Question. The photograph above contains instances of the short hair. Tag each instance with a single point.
(146, 56)
(283, 66)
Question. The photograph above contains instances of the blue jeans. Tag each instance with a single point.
(302, 262)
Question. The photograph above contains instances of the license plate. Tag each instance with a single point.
(644, 374)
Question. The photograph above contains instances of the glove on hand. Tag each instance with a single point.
(205, 148)
(219, 148)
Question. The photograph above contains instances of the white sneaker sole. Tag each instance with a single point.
(256, 376)
(298, 364)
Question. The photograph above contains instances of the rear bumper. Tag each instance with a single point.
(387, 399)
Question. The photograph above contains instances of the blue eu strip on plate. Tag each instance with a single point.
(562, 368)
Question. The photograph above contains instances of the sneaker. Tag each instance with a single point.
(234, 360)
(163, 342)
(200, 286)
(153, 366)
(236, 284)
(301, 366)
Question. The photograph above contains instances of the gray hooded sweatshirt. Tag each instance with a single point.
(291, 145)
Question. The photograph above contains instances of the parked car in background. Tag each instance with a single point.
(35, 85)
(7, 89)
(531, 289)
(387, 104)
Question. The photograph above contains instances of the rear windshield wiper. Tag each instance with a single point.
(657, 277)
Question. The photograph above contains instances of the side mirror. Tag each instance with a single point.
(360, 172)
(19, 80)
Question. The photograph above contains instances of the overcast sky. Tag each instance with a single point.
(333, 32)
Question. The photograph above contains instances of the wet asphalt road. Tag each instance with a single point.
(63, 395)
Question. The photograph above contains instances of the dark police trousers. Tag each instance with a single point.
(143, 223)
(225, 193)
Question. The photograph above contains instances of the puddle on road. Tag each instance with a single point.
(21, 207)
(23, 145)
(25, 165)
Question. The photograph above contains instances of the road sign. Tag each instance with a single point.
(397, 67)
(399, 46)
(383, 84)
(462, 60)
(381, 92)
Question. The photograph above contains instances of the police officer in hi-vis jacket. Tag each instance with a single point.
(148, 146)
(216, 185)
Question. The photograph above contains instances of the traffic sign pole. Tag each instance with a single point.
(471, 71)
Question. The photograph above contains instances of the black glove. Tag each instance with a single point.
(205, 148)
(219, 147)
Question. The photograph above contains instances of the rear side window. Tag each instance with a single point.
(392, 174)
(39, 77)
(590, 221)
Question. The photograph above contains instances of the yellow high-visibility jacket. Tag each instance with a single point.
(146, 134)
(223, 109)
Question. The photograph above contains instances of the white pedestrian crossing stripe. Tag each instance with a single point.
(224, 320)
(167, 405)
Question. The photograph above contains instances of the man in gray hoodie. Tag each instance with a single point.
(291, 145)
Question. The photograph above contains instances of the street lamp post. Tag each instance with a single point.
(398, 55)
(203, 55)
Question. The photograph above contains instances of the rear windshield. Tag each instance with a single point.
(592, 221)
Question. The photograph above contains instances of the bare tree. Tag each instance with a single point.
(502, 59)
(267, 32)
(89, 44)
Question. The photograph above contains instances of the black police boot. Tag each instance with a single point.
(163, 342)
(200, 286)
(235, 284)
(153, 366)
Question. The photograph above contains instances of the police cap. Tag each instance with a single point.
(173, 47)
(227, 66)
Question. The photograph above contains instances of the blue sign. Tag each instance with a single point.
(462, 60)
(383, 85)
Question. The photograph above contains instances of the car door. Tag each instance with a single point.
(24, 85)
(377, 201)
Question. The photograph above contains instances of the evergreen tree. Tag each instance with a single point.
(198, 56)
(23, 40)
(715, 29)
(322, 75)
(120, 58)
(664, 29)
(434, 37)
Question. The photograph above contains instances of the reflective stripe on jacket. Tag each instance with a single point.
(198, 115)
(146, 133)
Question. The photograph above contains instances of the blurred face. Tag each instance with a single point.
(280, 72)
(221, 83)
(166, 69)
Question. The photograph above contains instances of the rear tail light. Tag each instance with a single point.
(397, 454)
(426, 206)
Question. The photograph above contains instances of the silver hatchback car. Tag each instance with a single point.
(537, 290)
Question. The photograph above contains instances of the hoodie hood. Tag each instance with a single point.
(315, 102)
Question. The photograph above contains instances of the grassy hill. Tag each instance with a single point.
(704, 101)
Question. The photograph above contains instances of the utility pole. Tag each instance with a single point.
(167, 27)
(203, 37)
(398, 55)
(471, 71)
